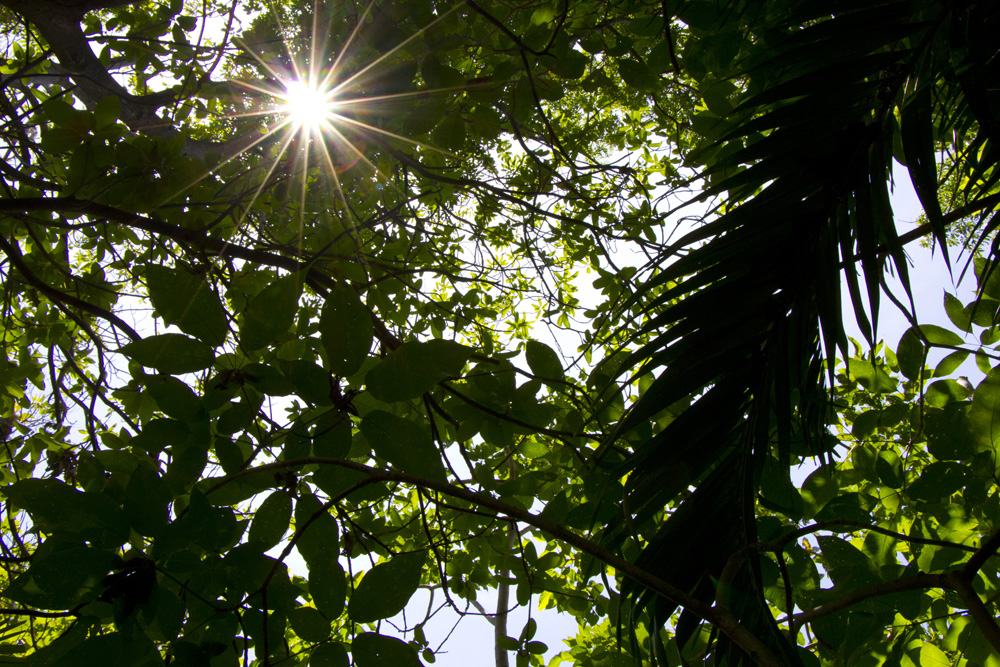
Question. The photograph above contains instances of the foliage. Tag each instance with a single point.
(264, 382)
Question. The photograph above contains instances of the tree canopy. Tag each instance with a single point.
(310, 306)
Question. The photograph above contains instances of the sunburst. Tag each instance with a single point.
(319, 108)
(308, 104)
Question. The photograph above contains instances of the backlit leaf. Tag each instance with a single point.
(174, 354)
(373, 650)
(185, 299)
(403, 443)
(271, 312)
(386, 588)
(271, 520)
(414, 368)
(346, 330)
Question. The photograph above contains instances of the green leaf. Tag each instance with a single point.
(374, 650)
(267, 379)
(63, 511)
(319, 538)
(936, 335)
(949, 433)
(310, 380)
(889, 468)
(346, 329)
(62, 579)
(543, 361)
(271, 520)
(271, 312)
(957, 313)
(403, 443)
(188, 301)
(943, 392)
(871, 377)
(910, 353)
(983, 415)
(848, 566)
(938, 480)
(329, 655)
(414, 368)
(328, 586)
(386, 588)
(107, 111)
(449, 133)
(536, 647)
(637, 75)
(309, 624)
(174, 354)
(146, 499)
(950, 364)
(174, 398)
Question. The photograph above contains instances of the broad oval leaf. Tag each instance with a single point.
(329, 655)
(403, 443)
(957, 313)
(309, 624)
(173, 354)
(936, 335)
(543, 361)
(938, 480)
(639, 76)
(328, 587)
(910, 354)
(63, 511)
(374, 650)
(62, 579)
(271, 312)
(186, 300)
(983, 420)
(174, 398)
(146, 500)
(414, 368)
(346, 330)
(320, 539)
(386, 588)
(271, 520)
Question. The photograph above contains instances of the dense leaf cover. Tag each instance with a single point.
(267, 374)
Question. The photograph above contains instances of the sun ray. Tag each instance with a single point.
(393, 135)
(346, 82)
(328, 79)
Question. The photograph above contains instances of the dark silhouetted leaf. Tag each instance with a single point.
(386, 588)
(415, 368)
(185, 299)
(174, 354)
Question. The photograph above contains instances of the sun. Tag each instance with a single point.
(307, 104)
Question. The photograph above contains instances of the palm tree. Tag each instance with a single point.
(808, 105)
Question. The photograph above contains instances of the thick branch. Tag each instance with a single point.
(58, 22)
(979, 558)
(980, 613)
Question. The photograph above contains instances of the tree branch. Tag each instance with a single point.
(57, 295)
(918, 581)
(980, 613)
(979, 558)
(320, 281)
(58, 22)
(720, 618)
